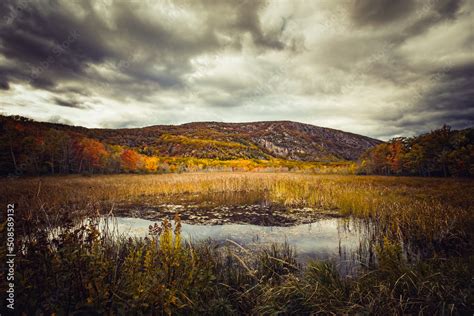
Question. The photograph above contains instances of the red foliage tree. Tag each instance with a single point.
(91, 154)
(130, 160)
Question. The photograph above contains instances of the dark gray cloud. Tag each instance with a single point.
(380, 68)
(447, 7)
(4, 85)
(376, 12)
(46, 43)
(452, 95)
(71, 103)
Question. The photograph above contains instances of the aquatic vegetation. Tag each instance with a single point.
(67, 264)
(82, 271)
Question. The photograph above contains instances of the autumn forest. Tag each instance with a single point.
(32, 148)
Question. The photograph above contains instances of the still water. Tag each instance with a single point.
(336, 239)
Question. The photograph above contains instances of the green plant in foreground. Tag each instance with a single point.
(83, 269)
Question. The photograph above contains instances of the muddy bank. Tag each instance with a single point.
(263, 214)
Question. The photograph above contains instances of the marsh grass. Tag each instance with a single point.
(88, 270)
(437, 213)
(85, 268)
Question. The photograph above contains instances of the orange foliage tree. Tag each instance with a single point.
(92, 155)
(131, 161)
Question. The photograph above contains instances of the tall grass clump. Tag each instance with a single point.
(82, 269)
(86, 270)
(430, 214)
(70, 261)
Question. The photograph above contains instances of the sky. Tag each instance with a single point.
(380, 68)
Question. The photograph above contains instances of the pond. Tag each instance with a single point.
(337, 239)
(254, 220)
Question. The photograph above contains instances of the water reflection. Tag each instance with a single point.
(335, 239)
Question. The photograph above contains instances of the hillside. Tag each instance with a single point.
(30, 147)
(259, 140)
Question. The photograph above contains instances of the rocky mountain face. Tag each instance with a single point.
(259, 140)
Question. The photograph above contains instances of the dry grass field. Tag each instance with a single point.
(433, 208)
(84, 269)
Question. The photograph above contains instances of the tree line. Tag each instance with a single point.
(32, 148)
(442, 152)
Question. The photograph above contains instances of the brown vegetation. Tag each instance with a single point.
(86, 270)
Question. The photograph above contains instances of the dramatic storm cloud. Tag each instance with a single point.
(379, 68)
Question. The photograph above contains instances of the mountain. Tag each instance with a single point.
(226, 141)
(28, 147)
(259, 140)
